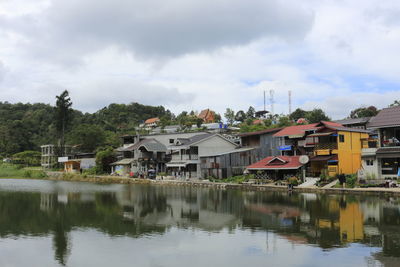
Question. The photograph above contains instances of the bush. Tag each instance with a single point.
(351, 180)
(293, 181)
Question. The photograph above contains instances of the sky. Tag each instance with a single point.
(190, 55)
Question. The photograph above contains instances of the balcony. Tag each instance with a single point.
(325, 146)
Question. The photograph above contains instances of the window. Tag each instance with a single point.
(370, 162)
(341, 138)
(171, 141)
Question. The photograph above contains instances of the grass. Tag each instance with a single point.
(17, 171)
(234, 179)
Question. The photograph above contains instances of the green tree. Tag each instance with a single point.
(229, 116)
(87, 137)
(63, 117)
(104, 157)
(317, 115)
(250, 112)
(284, 121)
(217, 117)
(297, 114)
(29, 158)
(395, 103)
(240, 116)
(364, 112)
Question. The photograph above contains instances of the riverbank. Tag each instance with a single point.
(59, 176)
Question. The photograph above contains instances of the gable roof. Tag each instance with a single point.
(351, 121)
(150, 144)
(277, 163)
(296, 130)
(185, 142)
(387, 117)
(206, 115)
(151, 120)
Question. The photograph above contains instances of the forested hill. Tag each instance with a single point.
(28, 126)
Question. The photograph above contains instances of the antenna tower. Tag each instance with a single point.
(271, 100)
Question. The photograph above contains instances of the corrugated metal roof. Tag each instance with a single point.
(238, 150)
(387, 117)
(271, 130)
(354, 121)
(154, 145)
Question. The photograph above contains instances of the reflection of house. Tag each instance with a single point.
(186, 153)
(207, 116)
(381, 156)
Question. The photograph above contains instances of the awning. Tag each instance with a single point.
(388, 152)
(296, 136)
(176, 164)
(324, 158)
(320, 134)
(123, 162)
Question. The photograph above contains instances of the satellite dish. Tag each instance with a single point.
(304, 159)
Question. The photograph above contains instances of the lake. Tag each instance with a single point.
(54, 223)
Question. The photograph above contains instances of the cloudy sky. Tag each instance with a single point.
(332, 54)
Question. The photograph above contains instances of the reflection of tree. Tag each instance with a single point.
(60, 242)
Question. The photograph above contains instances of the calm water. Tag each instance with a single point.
(46, 223)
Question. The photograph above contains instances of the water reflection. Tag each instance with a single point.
(325, 221)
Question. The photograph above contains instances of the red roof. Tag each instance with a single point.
(296, 130)
(300, 129)
(277, 163)
(152, 120)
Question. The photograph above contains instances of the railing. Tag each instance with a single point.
(323, 146)
(369, 144)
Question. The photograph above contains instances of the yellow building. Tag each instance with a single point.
(337, 149)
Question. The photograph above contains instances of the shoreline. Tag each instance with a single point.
(245, 187)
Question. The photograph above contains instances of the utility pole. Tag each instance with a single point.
(290, 102)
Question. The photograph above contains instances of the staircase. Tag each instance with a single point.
(310, 182)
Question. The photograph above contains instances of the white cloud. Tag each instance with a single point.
(336, 55)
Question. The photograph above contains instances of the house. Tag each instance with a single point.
(337, 149)
(78, 162)
(291, 140)
(186, 153)
(138, 158)
(381, 152)
(207, 115)
(50, 154)
(277, 167)
(263, 140)
(151, 123)
(331, 148)
(222, 165)
(140, 153)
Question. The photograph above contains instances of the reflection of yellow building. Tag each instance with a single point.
(351, 223)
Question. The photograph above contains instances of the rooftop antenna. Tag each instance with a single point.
(290, 102)
(271, 100)
(264, 100)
